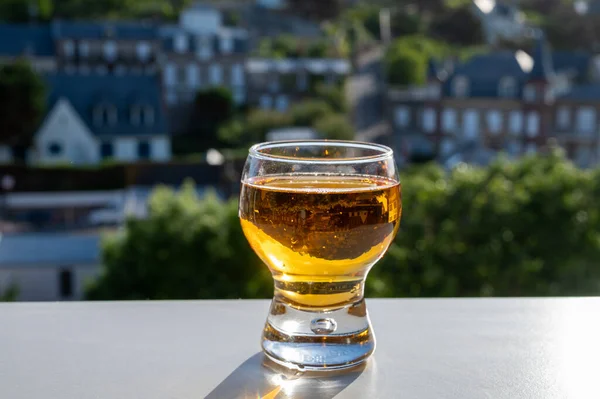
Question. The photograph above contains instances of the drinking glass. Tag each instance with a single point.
(319, 214)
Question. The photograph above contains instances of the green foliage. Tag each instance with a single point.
(261, 122)
(458, 26)
(307, 112)
(22, 105)
(528, 228)
(513, 229)
(332, 94)
(335, 127)
(187, 248)
(405, 67)
(10, 294)
(18, 11)
(212, 109)
(288, 46)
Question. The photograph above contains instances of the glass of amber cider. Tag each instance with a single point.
(319, 214)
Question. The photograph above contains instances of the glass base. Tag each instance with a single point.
(318, 340)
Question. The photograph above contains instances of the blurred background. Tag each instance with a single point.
(124, 126)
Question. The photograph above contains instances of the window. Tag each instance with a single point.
(54, 148)
(529, 93)
(302, 81)
(105, 115)
(181, 43)
(172, 97)
(110, 51)
(274, 83)
(265, 102)
(460, 86)
(65, 283)
(237, 75)
(143, 50)
(583, 156)
(428, 121)
(449, 120)
(143, 150)
(193, 75)
(170, 74)
(507, 87)
(239, 95)
(215, 74)
(563, 118)
(106, 150)
(204, 49)
(531, 148)
(447, 146)
(586, 120)
(533, 124)
(515, 122)
(494, 121)
(226, 44)
(471, 124)
(402, 116)
(513, 147)
(68, 48)
(84, 49)
(282, 103)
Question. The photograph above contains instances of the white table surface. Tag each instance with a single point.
(495, 348)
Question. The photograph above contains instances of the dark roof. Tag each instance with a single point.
(571, 61)
(104, 29)
(485, 72)
(18, 39)
(583, 93)
(57, 249)
(85, 92)
(543, 68)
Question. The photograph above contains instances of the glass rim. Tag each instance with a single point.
(386, 152)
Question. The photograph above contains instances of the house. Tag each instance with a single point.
(266, 19)
(278, 83)
(33, 42)
(200, 52)
(96, 117)
(502, 101)
(48, 267)
(106, 47)
(501, 21)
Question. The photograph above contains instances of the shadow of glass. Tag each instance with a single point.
(260, 378)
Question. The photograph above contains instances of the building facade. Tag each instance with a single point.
(94, 117)
(199, 53)
(279, 83)
(503, 101)
(106, 47)
(48, 267)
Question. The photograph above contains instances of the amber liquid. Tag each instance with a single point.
(320, 234)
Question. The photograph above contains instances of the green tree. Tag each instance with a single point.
(332, 94)
(186, 248)
(261, 122)
(307, 112)
(212, 108)
(405, 66)
(458, 26)
(335, 127)
(513, 229)
(22, 106)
